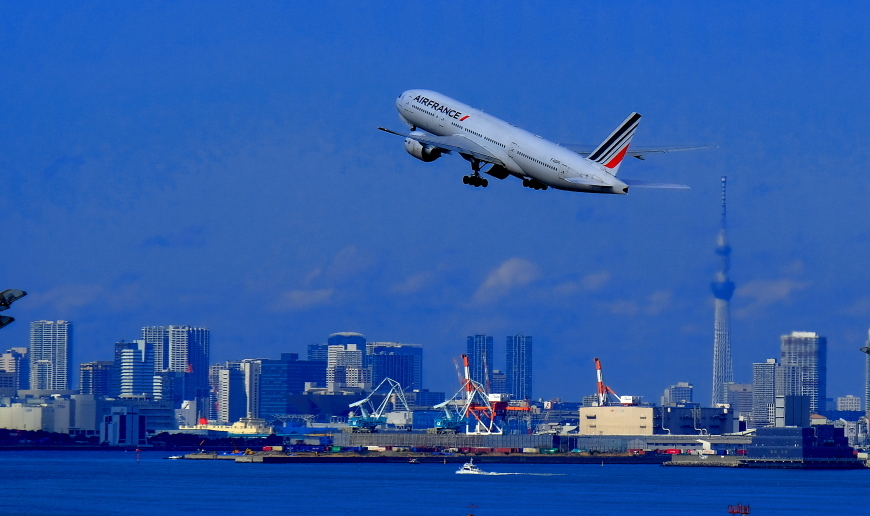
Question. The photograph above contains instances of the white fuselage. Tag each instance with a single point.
(524, 154)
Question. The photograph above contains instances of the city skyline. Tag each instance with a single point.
(220, 170)
(134, 372)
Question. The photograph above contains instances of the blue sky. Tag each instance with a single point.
(218, 164)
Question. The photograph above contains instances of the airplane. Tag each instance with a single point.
(7, 297)
(450, 126)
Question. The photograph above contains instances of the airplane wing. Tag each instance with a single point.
(637, 152)
(649, 184)
(456, 142)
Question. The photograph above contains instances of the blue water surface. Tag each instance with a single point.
(113, 482)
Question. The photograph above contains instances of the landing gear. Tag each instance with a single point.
(474, 179)
(534, 183)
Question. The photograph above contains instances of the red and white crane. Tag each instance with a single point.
(603, 389)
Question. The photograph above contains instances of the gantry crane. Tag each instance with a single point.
(481, 413)
(372, 417)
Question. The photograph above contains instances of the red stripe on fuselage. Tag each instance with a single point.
(616, 159)
(463, 118)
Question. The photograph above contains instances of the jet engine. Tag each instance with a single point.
(422, 152)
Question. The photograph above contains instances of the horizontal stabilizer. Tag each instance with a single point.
(5, 319)
(637, 152)
(649, 184)
(9, 296)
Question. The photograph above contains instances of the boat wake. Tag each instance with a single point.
(495, 473)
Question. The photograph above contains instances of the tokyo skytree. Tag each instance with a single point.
(723, 289)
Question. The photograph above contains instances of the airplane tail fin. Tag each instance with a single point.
(611, 151)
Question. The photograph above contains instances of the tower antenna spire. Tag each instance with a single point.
(723, 289)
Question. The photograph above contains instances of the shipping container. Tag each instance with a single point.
(673, 451)
(530, 450)
(267, 448)
(741, 452)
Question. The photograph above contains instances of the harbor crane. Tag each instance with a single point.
(371, 417)
(603, 390)
(481, 413)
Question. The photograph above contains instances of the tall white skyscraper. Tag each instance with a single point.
(479, 349)
(50, 355)
(158, 337)
(804, 368)
(134, 365)
(519, 366)
(189, 350)
(764, 392)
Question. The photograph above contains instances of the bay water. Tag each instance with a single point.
(113, 483)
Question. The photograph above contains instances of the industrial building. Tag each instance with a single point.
(638, 420)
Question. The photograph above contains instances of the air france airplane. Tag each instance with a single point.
(484, 140)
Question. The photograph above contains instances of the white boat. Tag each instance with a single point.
(175, 457)
(470, 469)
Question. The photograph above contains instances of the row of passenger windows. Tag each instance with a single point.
(536, 161)
(418, 108)
(477, 134)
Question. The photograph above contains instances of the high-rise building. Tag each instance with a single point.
(740, 399)
(678, 394)
(158, 337)
(251, 369)
(804, 368)
(51, 355)
(849, 402)
(344, 367)
(232, 401)
(347, 337)
(764, 392)
(287, 375)
(7, 384)
(189, 351)
(318, 352)
(519, 366)
(401, 362)
(723, 289)
(499, 382)
(96, 378)
(479, 351)
(134, 367)
(17, 362)
(867, 379)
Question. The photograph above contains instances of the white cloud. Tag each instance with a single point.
(346, 263)
(655, 303)
(596, 280)
(757, 295)
(414, 283)
(658, 302)
(293, 300)
(511, 274)
(66, 299)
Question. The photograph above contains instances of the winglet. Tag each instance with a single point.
(612, 150)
